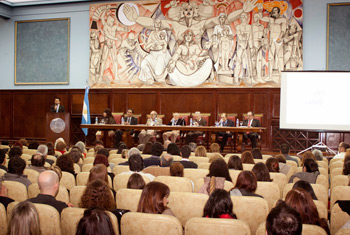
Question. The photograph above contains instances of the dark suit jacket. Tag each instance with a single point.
(133, 120)
(188, 164)
(202, 122)
(60, 109)
(49, 200)
(228, 123)
(151, 161)
(179, 122)
(255, 123)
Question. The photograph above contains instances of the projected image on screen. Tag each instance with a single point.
(315, 101)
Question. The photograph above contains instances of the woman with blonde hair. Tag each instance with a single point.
(306, 155)
(214, 148)
(200, 151)
(24, 220)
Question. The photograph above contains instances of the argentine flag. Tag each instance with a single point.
(85, 119)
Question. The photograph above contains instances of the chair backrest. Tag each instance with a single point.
(157, 171)
(322, 164)
(339, 180)
(26, 157)
(204, 165)
(120, 169)
(198, 160)
(32, 175)
(343, 231)
(176, 184)
(247, 167)
(82, 178)
(337, 164)
(91, 153)
(2, 172)
(114, 155)
(313, 229)
(339, 218)
(70, 218)
(234, 174)
(320, 191)
(116, 161)
(280, 179)
(121, 181)
(144, 223)
(261, 230)
(3, 220)
(198, 184)
(50, 157)
(29, 151)
(113, 151)
(270, 191)
(62, 194)
(16, 190)
(117, 117)
(128, 199)
(87, 167)
(231, 154)
(252, 210)
(48, 214)
(187, 205)
(336, 171)
(77, 168)
(208, 226)
(186, 117)
(75, 195)
(339, 193)
(291, 163)
(195, 174)
(323, 180)
(321, 209)
(67, 180)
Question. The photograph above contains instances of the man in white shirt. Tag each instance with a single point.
(341, 150)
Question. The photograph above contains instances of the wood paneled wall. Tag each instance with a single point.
(22, 112)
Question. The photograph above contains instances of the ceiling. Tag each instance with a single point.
(17, 3)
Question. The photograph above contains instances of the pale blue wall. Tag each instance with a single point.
(315, 28)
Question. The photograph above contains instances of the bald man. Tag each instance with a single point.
(49, 184)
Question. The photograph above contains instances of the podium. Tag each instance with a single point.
(57, 125)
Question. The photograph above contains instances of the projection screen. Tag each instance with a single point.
(315, 101)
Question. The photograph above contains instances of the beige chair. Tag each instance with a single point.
(2, 172)
(336, 171)
(298, 159)
(120, 169)
(116, 161)
(187, 205)
(70, 217)
(67, 180)
(280, 179)
(113, 151)
(231, 154)
(89, 160)
(343, 231)
(320, 191)
(10, 208)
(265, 156)
(198, 160)
(77, 168)
(338, 218)
(114, 155)
(26, 158)
(339, 180)
(309, 229)
(339, 193)
(3, 220)
(29, 151)
(176, 184)
(321, 209)
(62, 194)
(261, 230)
(49, 219)
(323, 171)
(209, 226)
(75, 195)
(204, 165)
(234, 174)
(337, 164)
(270, 191)
(87, 167)
(150, 224)
(16, 190)
(121, 181)
(252, 210)
(248, 167)
(82, 178)
(199, 183)
(291, 163)
(157, 171)
(195, 174)
(128, 199)
(90, 154)
(32, 175)
(322, 164)
(259, 160)
(50, 157)
(323, 180)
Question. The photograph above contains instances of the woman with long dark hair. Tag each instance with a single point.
(219, 205)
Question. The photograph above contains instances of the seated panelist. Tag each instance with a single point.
(253, 136)
(175, 121)
(107, 118)
(225, 134)
(146, 135)
(129, 119)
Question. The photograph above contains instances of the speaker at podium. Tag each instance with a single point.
(57, 125)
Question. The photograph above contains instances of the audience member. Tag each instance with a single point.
(247, 158)
(282, 164)
(253, 136)
(200, 151)
(95, 222)
(65, 163)
(177, 169)
(166, 160)
(341, 150)
(193, 146)
(57, 170)
(272, 165)
(24, 220)
(24, 143)
(124, 153)
(173, 149)
(15, 151)
(157, 150)
(185, 153)
(81, 146)
(235, 163)
(306, 186)
(76, 155)
(51, 149)
(97, 194)
(4, 199)
(102, 159)
(49, 184)
(215, 156)
(215, 148)
(318, 154)
(98, 171)
(136, 166)
(219, 205)
(147, 149)
(154, 199)
(218, 173)
(246, 185)
(261, 172)
(301, 201)
(3, 160)
(61, 147)
(42, 149)
(346, 167)
(136, 181)
(15, 171)
(37, 163)
(307, 155)
(256, 153)
(18, 144)
(131, 151)
(283, 220)
(285, 153)
(104, 152)
(121, 147)
(310, 172)
(57, 141)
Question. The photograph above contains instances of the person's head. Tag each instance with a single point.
(98, 171)
(197, 116)
(57, 141)
(219, 203)
(301, 201)
(49, 183)
(101, 159)
(103, 151)
(15, 151)
(275, 12)
(244, 18)
(256, 153)
(136, 181)
(61, 146)
(50, 149)
(16, 165)
(42, 149)
(166, 160)
(218, 168)
(140, 147)
(121, 147)
(247, 157)
(173, 149)
(37, 160)
(283, 220)
(18, 144)
(81, 146)
(280, 158)
(24, 220)
(107, 113)
(214, 148)
(235, 163)
(200, 151)
(147, 149)
(24, 142)
(223, 117)
(284, 148)
(75, 154)
(153, 115)
(130, 112)
(177, 169)
(246, 180)
(133, 151)
(185, 151)
(192, 146)
(125, 153)
(318, 154)
(307, 155)
(2, 157)
(261, 172)
(98, 194)
(57, 101)
(65, 163)
(222, 18)
(176, 116)
(57, 170)
(310, 165)
(346, 168)
(157, 149)
(343, 147)
(136, 162)
(250, 115)
(154, 198)
(306, 186)
(272, 165)
(215, 156)
(95, 222)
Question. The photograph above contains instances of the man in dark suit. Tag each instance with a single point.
(198, 121)
(57, 107)
(185, 153)
(225, 134)
(154, 160)
(253, 136)
(129, 119)
(175, 121)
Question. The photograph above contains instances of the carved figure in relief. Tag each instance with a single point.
(259, 34)
(292, 45)
(95, 57)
